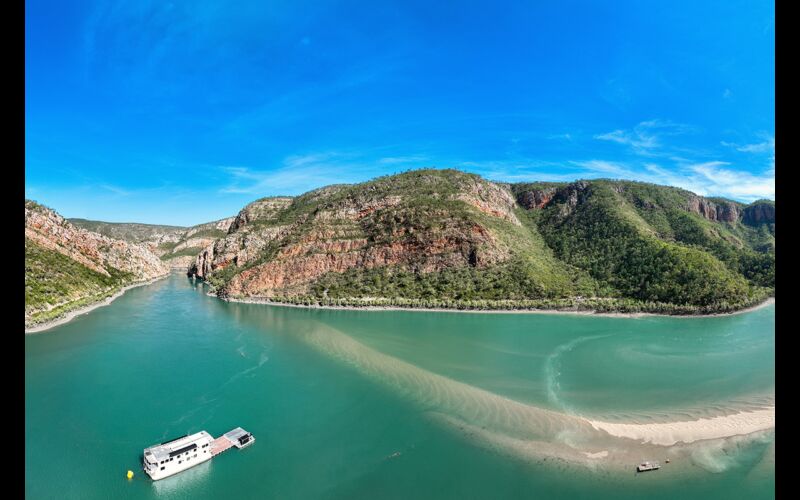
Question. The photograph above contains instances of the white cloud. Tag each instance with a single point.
(114, 189)
(767, 145)
(735, 184)
(526, 170)
(637, 140)
(396, 160)
(712, 178)
(298, 174)
(645, 138)
(761, 147)
(604, 167)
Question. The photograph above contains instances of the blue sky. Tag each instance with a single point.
(183, 112)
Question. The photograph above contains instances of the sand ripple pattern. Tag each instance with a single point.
(521, 428)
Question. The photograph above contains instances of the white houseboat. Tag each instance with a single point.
(170, 457)
(177, 455)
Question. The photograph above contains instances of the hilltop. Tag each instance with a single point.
(445, 238)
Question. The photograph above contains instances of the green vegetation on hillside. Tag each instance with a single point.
(189, 251)
(53, 280)
(612, 244)
(133, 232)
(509, 281)
(621, 250)
(593, 304)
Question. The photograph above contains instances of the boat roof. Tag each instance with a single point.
(236, 434)
(176, 446)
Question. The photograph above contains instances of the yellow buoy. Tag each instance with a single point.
(130, 474)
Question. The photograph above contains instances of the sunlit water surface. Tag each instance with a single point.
(393, 404)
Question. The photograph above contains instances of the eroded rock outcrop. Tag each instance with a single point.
(177, 246)
(759, 213)
(67, 267)
(567, 196)
(536, 198)
(95, 251)
(279, 245)
(721, 211)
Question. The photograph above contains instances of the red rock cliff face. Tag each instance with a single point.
(569, 196)
(491, 199)
(194, 238)
(299, 264)
(536, 198)
(723, 212)
(246, 238)
(48, 229)
(760, 213)
(273, 253)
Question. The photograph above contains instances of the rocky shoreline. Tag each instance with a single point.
(69, 315)
(255, 300)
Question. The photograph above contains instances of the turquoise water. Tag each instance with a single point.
(391, 404)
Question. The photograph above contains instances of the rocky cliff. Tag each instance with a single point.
(445, 233)
(176, 246)
(281, 245)
(760, 212)
(66, 264)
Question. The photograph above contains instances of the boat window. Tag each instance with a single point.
(162, 468)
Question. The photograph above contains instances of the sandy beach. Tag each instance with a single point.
(253, 300)
(670, 433)
(86, 309)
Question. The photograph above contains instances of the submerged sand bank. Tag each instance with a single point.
(531, 432)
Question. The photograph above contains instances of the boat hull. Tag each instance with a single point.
(171, 471)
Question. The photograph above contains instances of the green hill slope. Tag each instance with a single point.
(67, 267)
(445, 238)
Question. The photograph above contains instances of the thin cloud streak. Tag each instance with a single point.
(299, 174)
(766, 146)
(645, 139)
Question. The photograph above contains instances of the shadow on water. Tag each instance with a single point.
(184, 483)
